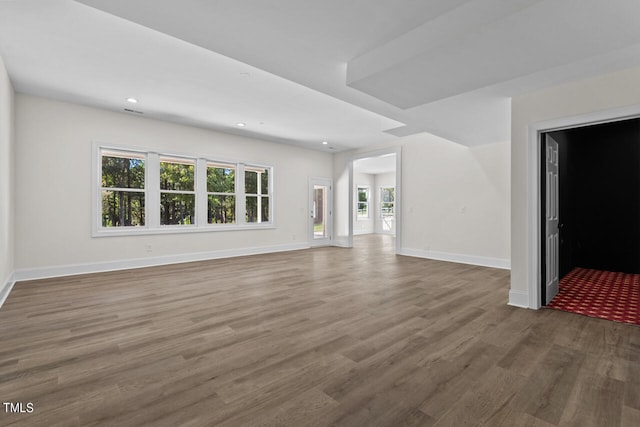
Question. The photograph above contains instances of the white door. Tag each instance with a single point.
(552, 248)
(320, 210)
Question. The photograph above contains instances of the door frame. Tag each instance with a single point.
(398, 192)
(550, 199)
(535, 204)
(313, 181)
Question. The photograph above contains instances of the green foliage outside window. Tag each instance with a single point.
(177, 208)
(363, 202)
(221, 181)
(387, 197)
(256, 187)
(122, 198)
(123, 190)
(176, 176)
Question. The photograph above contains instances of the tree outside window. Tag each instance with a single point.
(123, 189)
(257, 194)
(387, 201)
(148, 192)
(177, 192)
(363, 202)
(221, 193)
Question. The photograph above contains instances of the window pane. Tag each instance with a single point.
(176, 176)
(363, 210)
(221, 180)
(177, 208)
(363, 194)
(122, 172)
(387, 209)
(252, 209)
(122, 209)
(265, 182)
(265, 209)
(388, 194)
(250, 182)
(222, 209)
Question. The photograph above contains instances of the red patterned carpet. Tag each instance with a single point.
(603, 294)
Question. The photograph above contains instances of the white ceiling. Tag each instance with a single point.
(375, 165)
(355, 73)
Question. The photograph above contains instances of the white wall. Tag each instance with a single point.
(383, 180)
(54, 181)
(364, 225)
(7, 199)
(455, 199)
(596, 99)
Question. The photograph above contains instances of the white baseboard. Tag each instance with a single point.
(519, 298)
(340, 243)
(6, 288)
(500, 263)
(99, 267)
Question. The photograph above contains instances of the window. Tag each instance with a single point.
(122, 189)
(221, 193)
(363, 202)
(149, 193)
(257, 191)
(177, 191)
(387, 201)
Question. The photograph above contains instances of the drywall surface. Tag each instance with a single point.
(55, 184)
(7, 180)
(455, 199)
(596, 99)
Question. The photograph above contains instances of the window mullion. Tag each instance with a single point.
(241, 201)
(153, 190)
(127, 210)
(201, 193)
(259, 201)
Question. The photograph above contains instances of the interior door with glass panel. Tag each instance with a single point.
(320, 211)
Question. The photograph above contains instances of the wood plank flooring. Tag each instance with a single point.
(328, 336)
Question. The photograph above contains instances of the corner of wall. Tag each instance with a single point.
(6, 287)
(518, 298)
(7, 183)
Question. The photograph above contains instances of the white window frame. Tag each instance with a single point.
(152, 194)
(259, 195)
(178, 160)
(97, 168)
(358, 202)
(220, 165)
(382, 202)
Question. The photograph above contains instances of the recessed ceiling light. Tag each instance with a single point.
(132, 100)
(324, 142)
(241, 124)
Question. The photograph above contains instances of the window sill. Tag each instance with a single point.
(182, 229)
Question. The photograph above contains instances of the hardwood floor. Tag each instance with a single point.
(329, 336)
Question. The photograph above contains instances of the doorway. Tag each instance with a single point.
(321, 211)
(374, 193)
(346, 198)
(598, 200)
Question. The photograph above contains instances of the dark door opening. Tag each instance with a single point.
(599, 198)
